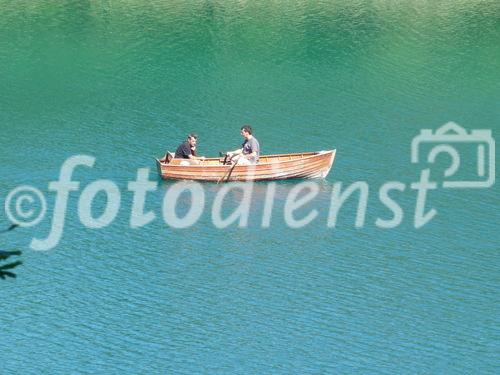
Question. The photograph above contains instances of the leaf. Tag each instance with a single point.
(8, 274)
(6, 254)
(12, 227)
(10, 266)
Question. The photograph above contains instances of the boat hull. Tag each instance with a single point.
(272, 167)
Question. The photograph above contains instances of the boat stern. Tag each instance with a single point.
(326, 171)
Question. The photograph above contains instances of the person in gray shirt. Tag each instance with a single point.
(249, 151)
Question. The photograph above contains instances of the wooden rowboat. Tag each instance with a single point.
(270, 167)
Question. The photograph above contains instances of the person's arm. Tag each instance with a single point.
(192, 154)
(232, 154)
(192, 157)
(251, 155)
(236, 152)
(255, 148)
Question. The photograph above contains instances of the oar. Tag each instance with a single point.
(221, 154)
(228, 174)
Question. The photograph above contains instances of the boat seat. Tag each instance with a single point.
(168, 157)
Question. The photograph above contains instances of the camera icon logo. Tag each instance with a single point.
(446, 139)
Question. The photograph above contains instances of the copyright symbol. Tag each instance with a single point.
(22, 205)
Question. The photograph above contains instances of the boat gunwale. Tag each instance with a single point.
(311, 155)
(292, 170)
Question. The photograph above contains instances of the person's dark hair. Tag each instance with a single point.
(192, 135)
(247, 128)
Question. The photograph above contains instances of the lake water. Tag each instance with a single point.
(124, 81)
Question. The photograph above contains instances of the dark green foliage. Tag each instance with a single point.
(5, 270)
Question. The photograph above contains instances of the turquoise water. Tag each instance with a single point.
(124, 81)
